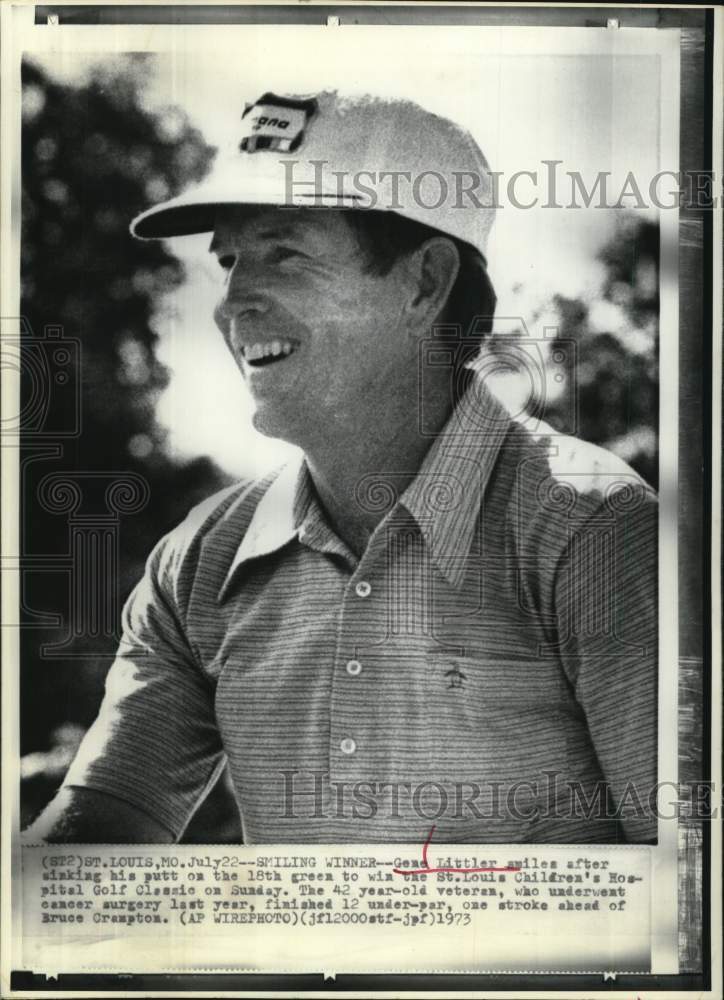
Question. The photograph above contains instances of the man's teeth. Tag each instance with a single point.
(277, 348)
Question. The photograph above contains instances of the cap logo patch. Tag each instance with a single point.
(275, 124)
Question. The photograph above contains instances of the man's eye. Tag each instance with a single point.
(280, 254)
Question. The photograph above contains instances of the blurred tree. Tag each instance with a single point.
(93, 156)
(614, 370)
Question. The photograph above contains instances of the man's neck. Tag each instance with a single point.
(351, 458)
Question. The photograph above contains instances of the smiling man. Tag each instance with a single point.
(440, 614)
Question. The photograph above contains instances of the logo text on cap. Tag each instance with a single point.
(274, 123)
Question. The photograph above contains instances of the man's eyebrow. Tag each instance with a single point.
(281, 230)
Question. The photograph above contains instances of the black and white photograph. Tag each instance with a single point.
(359, 427)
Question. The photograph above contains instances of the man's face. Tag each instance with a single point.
(316, 337)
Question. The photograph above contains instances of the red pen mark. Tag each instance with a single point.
(427, 870)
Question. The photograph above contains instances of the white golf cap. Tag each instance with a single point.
(335, 151)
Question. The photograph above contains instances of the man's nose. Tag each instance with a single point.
(244, 294)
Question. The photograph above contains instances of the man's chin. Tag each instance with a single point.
(272, 424)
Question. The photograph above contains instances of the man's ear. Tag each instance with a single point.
(433, 268)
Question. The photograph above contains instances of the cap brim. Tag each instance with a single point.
(196, 210)
(180, 220)
(186, 216)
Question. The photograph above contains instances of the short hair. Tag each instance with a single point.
(385, 237)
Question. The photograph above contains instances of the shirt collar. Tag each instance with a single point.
(276, 519)
(444, 498)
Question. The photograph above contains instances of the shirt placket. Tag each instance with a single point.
(355, 684)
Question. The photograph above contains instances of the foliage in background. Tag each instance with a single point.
(594, 371)
(93, 156)
(92, 159)
(616, 372)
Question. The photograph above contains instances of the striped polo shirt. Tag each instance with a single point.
(487, 665)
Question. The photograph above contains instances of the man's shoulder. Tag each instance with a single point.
(233, 500)
(553, 489)
(566, 470)
(552, 484)
(227, 513)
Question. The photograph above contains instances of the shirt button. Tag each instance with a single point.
(363, 589)
(354, 667)
(348, 746)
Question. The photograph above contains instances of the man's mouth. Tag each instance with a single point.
(260, 354)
